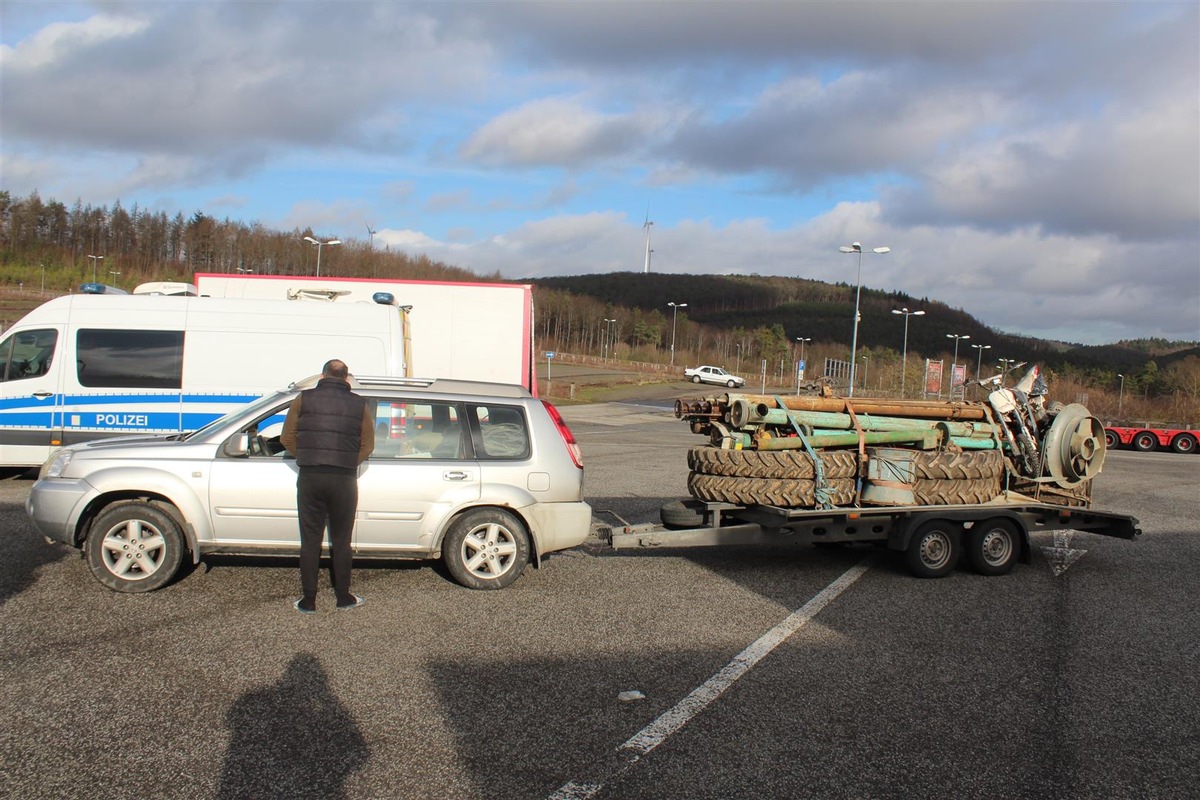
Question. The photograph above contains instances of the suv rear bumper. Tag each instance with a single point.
(561, 525)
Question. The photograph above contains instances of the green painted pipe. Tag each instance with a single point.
(743, 413)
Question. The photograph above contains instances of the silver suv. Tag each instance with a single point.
(485, 476)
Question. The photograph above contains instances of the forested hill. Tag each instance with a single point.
(824, 312)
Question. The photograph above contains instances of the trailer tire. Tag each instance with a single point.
(766, 491)
(1111, 440)
(784, 464)
(1144, 442)
(682, 514)
(953, 493)
(993, 546)
(933, 551)
(1184, 443)
(963, 466)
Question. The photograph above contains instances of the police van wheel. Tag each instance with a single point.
(486, 549)
(134, 547)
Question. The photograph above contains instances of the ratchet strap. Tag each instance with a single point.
(822, 496)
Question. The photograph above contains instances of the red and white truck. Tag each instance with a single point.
(1146, 438)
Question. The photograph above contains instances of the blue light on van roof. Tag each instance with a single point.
(100, 288)
(384, 298)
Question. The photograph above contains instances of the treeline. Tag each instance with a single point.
(130, 245)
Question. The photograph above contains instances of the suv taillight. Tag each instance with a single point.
(565, 432)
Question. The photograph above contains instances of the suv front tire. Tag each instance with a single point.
(134, 547)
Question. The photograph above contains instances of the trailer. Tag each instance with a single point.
(936, 481)
(992, 537)
(1146, 438)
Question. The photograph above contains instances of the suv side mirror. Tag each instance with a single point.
(237, 446)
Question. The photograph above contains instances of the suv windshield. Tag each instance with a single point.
(249, 410)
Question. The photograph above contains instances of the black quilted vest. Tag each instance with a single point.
(329, 431)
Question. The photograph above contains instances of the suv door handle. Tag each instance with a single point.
(455, 475)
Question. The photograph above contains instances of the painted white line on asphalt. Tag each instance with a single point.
(700, 698)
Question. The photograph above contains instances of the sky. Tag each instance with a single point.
(1036, 164)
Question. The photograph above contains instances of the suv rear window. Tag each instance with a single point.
(503, 433)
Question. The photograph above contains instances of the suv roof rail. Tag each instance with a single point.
(449, 385)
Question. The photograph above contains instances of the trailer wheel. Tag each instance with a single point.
(682, 514)
(992, 546)
(933, 550)
(1145, 442)
(1111, 440)
(1184, 443)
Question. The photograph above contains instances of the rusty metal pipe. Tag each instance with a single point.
(923, 409)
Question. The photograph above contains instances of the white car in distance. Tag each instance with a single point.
(714, 375)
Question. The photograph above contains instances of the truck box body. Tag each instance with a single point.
(468, 331)
(92, 366)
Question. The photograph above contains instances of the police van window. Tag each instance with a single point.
(27, 354)
(121, 359)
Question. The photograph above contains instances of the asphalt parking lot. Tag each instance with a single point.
(803, 672)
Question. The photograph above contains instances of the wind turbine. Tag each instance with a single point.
(647, 225)
(371, 233)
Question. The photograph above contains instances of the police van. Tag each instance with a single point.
(99, 364)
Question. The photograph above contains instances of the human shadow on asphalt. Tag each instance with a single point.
(23, 552)
(293, 739)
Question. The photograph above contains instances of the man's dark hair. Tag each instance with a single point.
(335, 368)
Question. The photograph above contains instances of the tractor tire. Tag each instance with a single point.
(968, 465)
(781, 464)
(766, 491)
(954, 493)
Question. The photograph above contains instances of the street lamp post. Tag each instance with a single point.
(674, 316)
(957, 338)
(801, 340)
(857, 248)
(866, 363)
(95, 261)
(43, 266)
(979, 358)
(115, 273)
(608, 323)
(1121, 396)
(320, 244)
(737, 370)
(904, 358)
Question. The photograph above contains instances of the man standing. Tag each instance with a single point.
(331, 431)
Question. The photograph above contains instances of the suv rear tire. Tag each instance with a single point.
(134, 547)
(486, 549)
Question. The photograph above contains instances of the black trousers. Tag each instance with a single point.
(326, 497)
